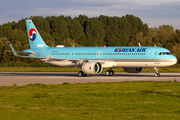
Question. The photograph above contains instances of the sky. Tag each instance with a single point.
(152, 12)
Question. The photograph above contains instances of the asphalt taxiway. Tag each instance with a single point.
(25, 78)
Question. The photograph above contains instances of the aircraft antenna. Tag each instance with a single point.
(139, 44)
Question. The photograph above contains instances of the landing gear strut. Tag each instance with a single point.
(81, 74)
(109, 72)
(157, 74)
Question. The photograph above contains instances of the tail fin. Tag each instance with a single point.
(35, 39)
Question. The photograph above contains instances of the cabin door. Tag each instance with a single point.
(150, 55)
(42, 52)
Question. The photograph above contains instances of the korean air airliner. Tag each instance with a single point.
(92, 60)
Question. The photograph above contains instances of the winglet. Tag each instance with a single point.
(14, 52)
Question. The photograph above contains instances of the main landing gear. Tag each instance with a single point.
(157, 74)
(109, 72)
(81, 74)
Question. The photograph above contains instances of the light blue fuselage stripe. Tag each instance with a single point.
(103, 53)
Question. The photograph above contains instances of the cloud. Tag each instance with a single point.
(151, 11)
(141, 2)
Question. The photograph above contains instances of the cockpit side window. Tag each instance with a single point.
(168, 53)
(164, 53)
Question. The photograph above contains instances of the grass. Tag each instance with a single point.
(72, 69)
(124, 100)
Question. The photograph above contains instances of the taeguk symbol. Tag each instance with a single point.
(32, 34)
(120, 49)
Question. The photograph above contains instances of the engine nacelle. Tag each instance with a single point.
(92, 68)
(133, 70)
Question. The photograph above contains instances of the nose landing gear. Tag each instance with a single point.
(157, 74)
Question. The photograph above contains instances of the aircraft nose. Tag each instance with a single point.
(174, 59)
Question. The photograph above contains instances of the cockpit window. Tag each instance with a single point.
(168, 53)
(164, 53)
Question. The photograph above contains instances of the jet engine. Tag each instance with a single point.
(92, 68)
(133, 70)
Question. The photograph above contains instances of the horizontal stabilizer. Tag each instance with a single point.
(18, 51)
(14, 52)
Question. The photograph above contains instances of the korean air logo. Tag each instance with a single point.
(32, 34)
(120, 49)
(129, 49)
(90, 67)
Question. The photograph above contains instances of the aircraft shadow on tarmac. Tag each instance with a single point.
(74, 74)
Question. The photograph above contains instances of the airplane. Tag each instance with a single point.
(93, 60)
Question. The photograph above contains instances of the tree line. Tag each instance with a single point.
(83, 31)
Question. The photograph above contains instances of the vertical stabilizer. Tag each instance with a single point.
(35, 39)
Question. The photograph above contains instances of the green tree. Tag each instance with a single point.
(18, 47)
(1, 50)
(177, 36)
(38, 22)
(21, 25)
(8, 32)
(1, 31)
(82, 20)
(164, 34)
(7, 56)
(144, 41)
(76, 32)
(49, 40)
(95, 33)
(59, 29)
(69, 43)
(19, 35)
(137, 25)
(117, 31)
(176, 51)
